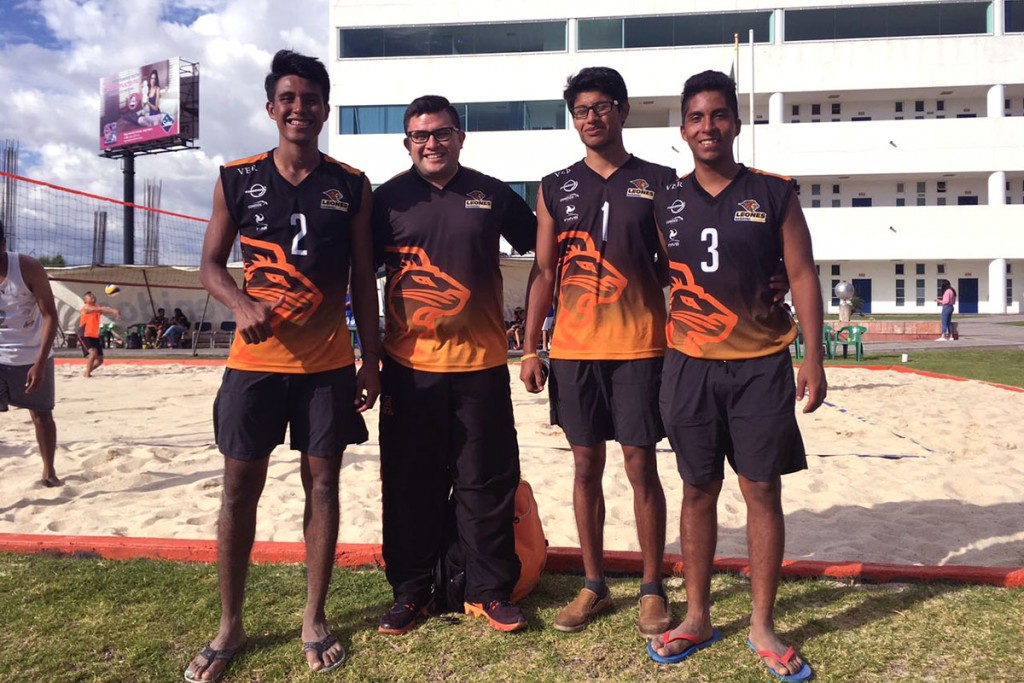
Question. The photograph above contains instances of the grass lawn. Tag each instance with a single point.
(1001, 366)
(74, 619)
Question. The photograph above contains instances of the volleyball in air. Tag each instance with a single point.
(112, 290)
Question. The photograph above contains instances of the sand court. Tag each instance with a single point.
(904, 469)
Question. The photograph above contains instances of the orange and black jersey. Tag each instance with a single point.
(722, 250)
(444, 310)
(610, 304)
(296, 245)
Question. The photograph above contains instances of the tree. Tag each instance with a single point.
(53, 261)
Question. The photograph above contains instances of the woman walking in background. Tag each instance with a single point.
(947, 298)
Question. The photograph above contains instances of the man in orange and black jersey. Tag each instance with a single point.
(597, 243)
(446, 423)
(728, 389)
(303, 220)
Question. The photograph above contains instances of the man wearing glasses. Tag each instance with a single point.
(446, 424)
(597, 240)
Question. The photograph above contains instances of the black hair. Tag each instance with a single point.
(154, 73)
(600, 79)
(288, 63)
(2, 235)
(430, 104)
(715, 81)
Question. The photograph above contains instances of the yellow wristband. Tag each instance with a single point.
(528, 356)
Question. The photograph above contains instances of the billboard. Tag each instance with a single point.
(153, 106)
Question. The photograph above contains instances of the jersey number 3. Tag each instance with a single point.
(298, 220)
(710, 236)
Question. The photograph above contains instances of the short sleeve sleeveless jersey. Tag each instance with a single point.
(722, 251)
(610, 304)
(296, 248)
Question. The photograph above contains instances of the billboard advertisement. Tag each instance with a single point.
(148, 106)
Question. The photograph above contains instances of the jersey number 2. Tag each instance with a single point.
(298, 220)
(710, 235)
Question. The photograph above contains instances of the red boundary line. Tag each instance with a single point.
(146, 361)
(559, 559)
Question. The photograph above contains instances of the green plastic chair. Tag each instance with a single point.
(848, 335)
(828, 341)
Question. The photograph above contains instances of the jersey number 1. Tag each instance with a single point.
(298, 220)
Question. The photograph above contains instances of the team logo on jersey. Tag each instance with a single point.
(641, 188)
(675, 185)
(677, 206)
(420, 290)
(569, 185)
(269, 277)
(695, 318)
(246, 170)
(570, 213)
(587, 281)
(258, 204)
(256, 190)
(673, 237)
(750, 212)
(477, 200)
(261, 222)
(569, 197)
(335, 201)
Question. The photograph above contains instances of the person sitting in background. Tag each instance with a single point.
(174, 332)
(514, 329)
(154, 329)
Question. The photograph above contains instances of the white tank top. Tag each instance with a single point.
(20, 322)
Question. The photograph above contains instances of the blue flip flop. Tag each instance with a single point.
(320, 647)
(805, 673)
(666, 638)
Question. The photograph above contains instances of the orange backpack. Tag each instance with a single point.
(531, 546)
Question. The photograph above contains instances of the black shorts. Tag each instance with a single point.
(252, 410)
(91, 343)
(12, 388)
(743, 410)
(595, 401)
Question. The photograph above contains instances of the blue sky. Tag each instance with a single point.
(53, 53)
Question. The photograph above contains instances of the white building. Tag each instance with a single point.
(903, 122)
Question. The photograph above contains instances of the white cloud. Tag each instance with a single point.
(52, 93)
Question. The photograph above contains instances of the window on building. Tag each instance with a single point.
(795, 110)
(921, 201)
(459, 39)
(835, 189)
(899, 107)
(940, 105)
(475, 116)
(921, 188)
(837, 108)
(815, 110)
(941, 201)
(677, 30)
(940, 268)
(919, 105)
(815, 189)
(900, 201)
(899, 269)
(835, 269)
(835, 299)
(815, 203)
(900, 294)
(1013, 12)
(940, 186)
(919, 294)
(836, 203)
(368, 120)
(899, 188)
(887, 21)
(528, 191)
(1009, 291)
(919, 269)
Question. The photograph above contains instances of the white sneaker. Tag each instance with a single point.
(941, 339)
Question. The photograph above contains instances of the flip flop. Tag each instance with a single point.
(320, 647)
(211, 655)
(666, 638)
(805, 673)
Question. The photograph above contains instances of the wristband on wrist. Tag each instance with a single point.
(528, 356)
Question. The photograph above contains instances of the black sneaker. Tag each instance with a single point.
(401, 617)
(502, 614)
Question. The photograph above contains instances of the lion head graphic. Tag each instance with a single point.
(423, 291)
(695, 317)
(587, 281)
(750, 205)
(269, 277)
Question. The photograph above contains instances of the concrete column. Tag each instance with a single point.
(998, 18)
(779, 26)
(996, 97)
(570, 38)
(996, 286)
(776, 108)
(997, 188)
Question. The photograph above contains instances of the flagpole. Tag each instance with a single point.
(752, 126)
(736, 80)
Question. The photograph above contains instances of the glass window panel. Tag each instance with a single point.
(1014, 20)
(912, 21)
(600, 34)
(549, 115)
(899, 269)
(742, 22)
(406, 42)
(700, 29)
(860, 22)
(646, 32)
(492, 116)
(958, 18)
(810, 24)
(837, 23)
(552, 36)
(361, 42)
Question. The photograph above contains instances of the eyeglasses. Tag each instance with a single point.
(599, 108)
(420, 137)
